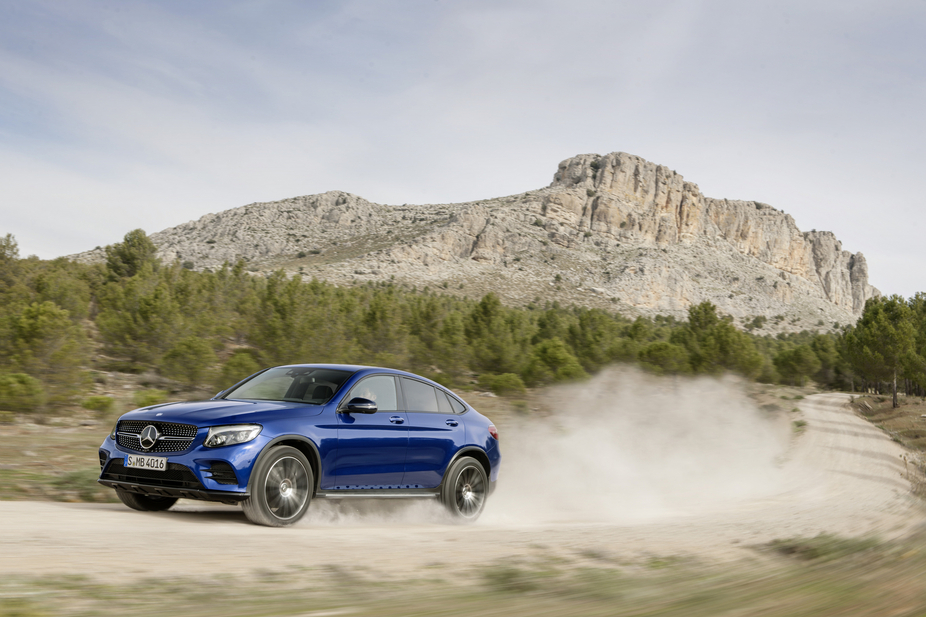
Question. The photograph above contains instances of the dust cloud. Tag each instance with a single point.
(623, 447)
(628, 446)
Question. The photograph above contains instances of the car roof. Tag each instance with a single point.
(359, 368)
(355, 368)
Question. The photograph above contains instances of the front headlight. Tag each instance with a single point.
(112, 434)
(230, 435)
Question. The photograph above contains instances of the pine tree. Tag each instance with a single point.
(882, 343)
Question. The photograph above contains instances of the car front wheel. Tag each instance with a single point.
(281, 488)
(464, 489)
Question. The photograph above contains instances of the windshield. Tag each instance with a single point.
(295, 384)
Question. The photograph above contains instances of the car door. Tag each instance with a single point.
(371, 447)
(435, 433)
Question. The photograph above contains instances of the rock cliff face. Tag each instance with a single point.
(628, 197)
(613, 231)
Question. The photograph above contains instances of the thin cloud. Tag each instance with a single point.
(149, 114)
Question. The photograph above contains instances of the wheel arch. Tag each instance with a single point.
(304, 445)
(472, 452)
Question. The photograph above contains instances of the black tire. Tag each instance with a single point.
(281, 488)
(145, 503)
(465, 489)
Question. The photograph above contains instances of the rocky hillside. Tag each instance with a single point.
(612, 231)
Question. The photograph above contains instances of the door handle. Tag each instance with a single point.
(451, 422)
(397, 420)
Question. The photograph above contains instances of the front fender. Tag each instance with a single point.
(301, 443)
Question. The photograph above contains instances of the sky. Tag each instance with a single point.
(123, 115)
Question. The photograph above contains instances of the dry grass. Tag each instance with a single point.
(824, 576)
(906, 425)
(52, 461)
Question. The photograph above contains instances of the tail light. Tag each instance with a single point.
(493, 431)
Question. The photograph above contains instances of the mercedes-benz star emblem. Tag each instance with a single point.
(149, 437)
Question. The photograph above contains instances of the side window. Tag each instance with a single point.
(379, 389)
(458, 407)
(419, 396)
(442, 403)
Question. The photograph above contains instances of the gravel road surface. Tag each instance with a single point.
(840, 475)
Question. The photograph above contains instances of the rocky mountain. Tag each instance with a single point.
(613, 231)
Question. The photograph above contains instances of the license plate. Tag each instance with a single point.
(154, 463)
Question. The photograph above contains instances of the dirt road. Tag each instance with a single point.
(840, 475)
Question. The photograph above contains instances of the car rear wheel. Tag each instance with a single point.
(464, 490)
(281, 488)
(145, 503)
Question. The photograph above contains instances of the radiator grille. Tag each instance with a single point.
(179, 437)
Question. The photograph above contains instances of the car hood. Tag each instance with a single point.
(221, 411)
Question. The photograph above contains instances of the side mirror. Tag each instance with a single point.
(361, 405)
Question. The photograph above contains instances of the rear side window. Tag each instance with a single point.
(442, 403)
(458, 407)
(419, 396)
(380, 389)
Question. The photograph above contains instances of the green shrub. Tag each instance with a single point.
(300, 254)
(552, 361)
(662, 358)
(102, 404)
(146, 398)
(46, 343)
(242, 364)
(442, 378)
(504, 384)
(20, 392)
(189, 360)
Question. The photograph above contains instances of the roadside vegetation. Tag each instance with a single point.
(66, 328)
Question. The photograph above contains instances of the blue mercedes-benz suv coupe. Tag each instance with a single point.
(290, 434)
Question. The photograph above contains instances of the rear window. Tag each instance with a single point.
(292, 384)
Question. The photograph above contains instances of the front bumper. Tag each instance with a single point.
(180, 493)
(211, 474)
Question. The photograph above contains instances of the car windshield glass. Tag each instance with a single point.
(295, 384)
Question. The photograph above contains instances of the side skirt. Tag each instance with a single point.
(381, 493)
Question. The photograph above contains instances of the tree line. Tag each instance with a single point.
(60, 321)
